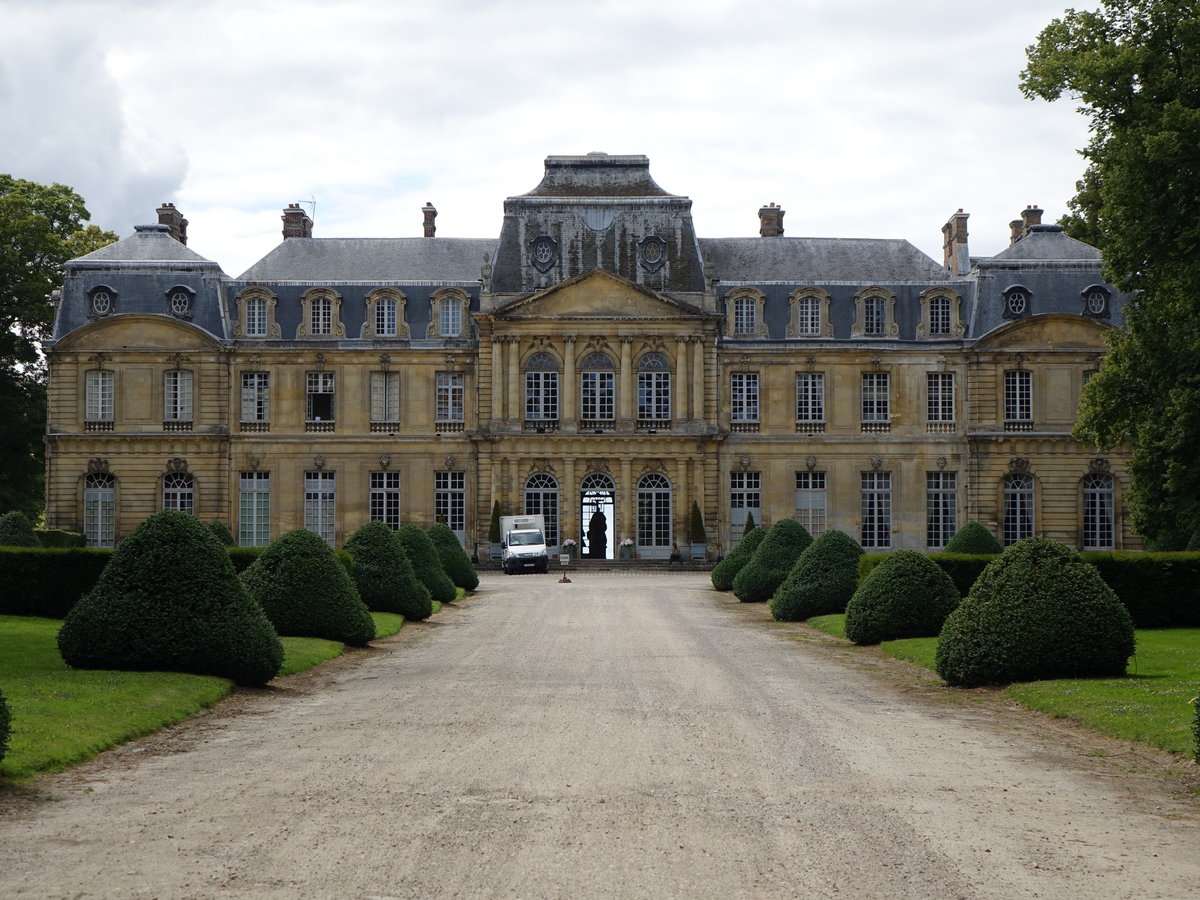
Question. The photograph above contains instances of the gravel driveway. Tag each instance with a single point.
(621, 736)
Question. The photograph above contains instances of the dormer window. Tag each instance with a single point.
(179, 301)
(940, 316)
(810, 314)
(875, 314)
(321, 314)
(256, 314)
(1017, 302)
(744, 308)
(448, 313)
(1095, 301)
(385, 314)
(102, 301)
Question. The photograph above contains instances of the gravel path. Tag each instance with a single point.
(621, 736)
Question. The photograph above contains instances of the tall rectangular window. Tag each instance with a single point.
(808, 314)
(385, 398)
(597, 395)
(939, 315)
(654, 396)
(745, 315)
(941, 508)
(810, 397)
(1018, 507)
(811, 501)
(745, 498)
(99, 396)
(179, 492)
(385, 317)
(320, 394)
(876, 510)
(254, 509)
(451, 317)
(940, 391)
(256, 397)
(875, 405)
(385, 498)
(743, 397)
(541, 396)
(450, 399)
(320, 501)
(450, 500)
(874, 316)
(1098, 528)
(1018, 395)
(100, 510)
(256, 317)
(322, 315)
(177, 396)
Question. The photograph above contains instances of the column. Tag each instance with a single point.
(698, 405)
(568, 394)
(679, 382)
(625, 386)
(568, 501)
(516, 409)
(497, 413)
(626, 502)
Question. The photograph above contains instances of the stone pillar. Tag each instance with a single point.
(568, 502)
(569, 390)
(625, 386)
(516, 409)
(497, 378)
(626, 501)
(679, 410)
(699, 413)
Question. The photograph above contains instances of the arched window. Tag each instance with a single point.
(745, 319)
(385, 317)
(256, 317)
(874, 317)
(179, 492)
(654, 391)
(808, 316)
(541, 499)
(100, 510)
(1098, 531)
(1018, 507)
(597, 392)
(541, 392)
(654, 514)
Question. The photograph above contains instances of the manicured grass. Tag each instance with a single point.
(301, 653)
(387, 624)
(833, 624)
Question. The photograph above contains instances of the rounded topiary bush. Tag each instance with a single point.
(907, 595)
(735, 560)
(305, 591)
(384, 575)
(424, 558)
(1196, 726)
(169, 600)
(973, 538)
(5, 725)
(15, 531)
(455, 562)
(771, 562)
(221, 532)
(821, 582)
(1037, 611)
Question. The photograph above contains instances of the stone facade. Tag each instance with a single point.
(597, 356)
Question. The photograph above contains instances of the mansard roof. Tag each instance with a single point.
(374, 260)
(1048, 242)
(148, 243)
(805, 260)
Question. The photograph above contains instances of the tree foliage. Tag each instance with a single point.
(1134, 66)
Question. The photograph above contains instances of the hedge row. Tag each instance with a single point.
(1160, 590)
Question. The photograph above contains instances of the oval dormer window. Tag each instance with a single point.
(1016, 302)
(102, 303)
(179, 301)
(1095, 302)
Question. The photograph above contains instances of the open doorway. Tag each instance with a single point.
(597, 509)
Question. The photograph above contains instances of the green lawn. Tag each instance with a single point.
(1151, 704)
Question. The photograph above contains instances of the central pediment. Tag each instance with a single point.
(598, 294)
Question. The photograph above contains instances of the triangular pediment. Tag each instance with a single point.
(598, 295)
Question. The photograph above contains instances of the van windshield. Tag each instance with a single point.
(525, 538)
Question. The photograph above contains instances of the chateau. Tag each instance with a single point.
(598, 355)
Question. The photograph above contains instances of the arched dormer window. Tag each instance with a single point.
(1096, 301)
(102, 301)
(940, 315)
(875, 314)
(385, 315)
(321, 314)
(256, 314)
(181, 301)
(449, 314)
(1018, 302)
(809, 314)
(745, 314)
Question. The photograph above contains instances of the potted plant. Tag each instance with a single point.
(697, 536)
(626, 549)
(494, 531)
(568, 548)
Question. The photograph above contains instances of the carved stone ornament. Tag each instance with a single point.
(876, 463)
(320, 358)
(653, 465)
(542, 465)
(543, 253)
(598, 466)
(255, 462)
(176, 465)
(384, 461)
(449, 461)
(1018, 465)
(744, 463)
(652, 253)
(98, 466)
(810, 462)
(941, 462)
(318, 463)
(596, 342)
(1099, 466)
(385, 361)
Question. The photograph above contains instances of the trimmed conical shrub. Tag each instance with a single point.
(907, 595)
(424, 558)
(821, 582)
(973, 538)
(455, 561)
(384, 575)
(735, 560)
(1037, 611)
(169, 600)
(221, 532)
(5, 725)
(771, 562)
(15, 531)
(306, 592)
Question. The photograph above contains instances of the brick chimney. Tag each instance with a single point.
(171, 217)
(430, 215)
(296, 223)
(1016, 230)
(770, 219)
(1030, 216)
(955, 255)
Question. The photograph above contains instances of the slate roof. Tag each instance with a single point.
(1048, 242)
(149, 243)
(804, 260)
(374, 260)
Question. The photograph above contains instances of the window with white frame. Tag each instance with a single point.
(179, 492)
(743, 398)
(745, 498)
(256, 316)
(177, 397)
(597, 389)
(810, 398)
(100, 510)
(745, 316)
(385, 498)
(256, 397)
(654, 511)
(876, 409)
(1098, 526)
(876, 510)
(320, 504)
(321, 311)
(874, 317)
(808, 316)
(654, 389)
(385, 398)
(940, 396)
(450, 396)
(939, 316)
(385, 317)
(99, 396)
(450, 500)
(941, 508)
(541, 499)
(1018, 507)
(254, 509)
(811, 500)
(541, 389)
(450, 317)
(1018, 396)
(319, 406)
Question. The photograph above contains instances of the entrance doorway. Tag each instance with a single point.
(597, 508)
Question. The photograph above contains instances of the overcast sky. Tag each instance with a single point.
(862, 118)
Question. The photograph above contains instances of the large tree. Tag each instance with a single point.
(41, 227)
(1134, 66)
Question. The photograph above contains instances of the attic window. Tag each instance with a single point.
(1095, 301)
(102, 301)
(179, 301)
(1017, 302)
(543, 253)
(652, 253)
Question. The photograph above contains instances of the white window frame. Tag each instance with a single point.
(654, 388)
(320, 384)
(1018, 395)
(98, 391)
(1020, 507)
(812, 501)
(256, 397)
(100, 510)
(178, 386)
(810, 397)
(939, 387)
(179, 492)
(385, 398)
(876, 397)
(450, 397)
(1099, 520)
(384, 499)
(254, 509)
(320, 505)
(876, 526)
(743, 397)
(941, 508)
(450, 501)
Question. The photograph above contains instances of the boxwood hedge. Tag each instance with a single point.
(973, 538)
(455, 562)
(1037, 611)
(41, 581)
(907, 596)
(384, 575)
(425, 561)
(16, 531)
(822, 580)
(771, 562)
(735, 560)
(5, 725)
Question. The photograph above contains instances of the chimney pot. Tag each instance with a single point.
(770, 220)
(956, 256)
(171, 217)
(430, 215)
(296, 223)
